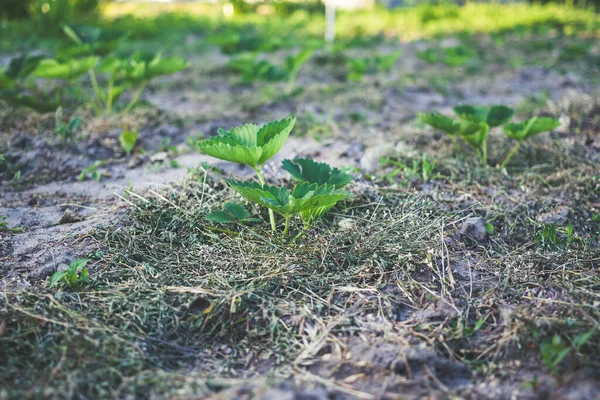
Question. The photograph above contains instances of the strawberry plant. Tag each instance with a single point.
(473, 125)
(254, 145)
(450, 56)
(251, 145)
(122, 73)
(18, 88)
(308, 171)
(357, 67)
(527, 129)
(252, 70)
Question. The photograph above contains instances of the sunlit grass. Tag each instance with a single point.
(406, 24)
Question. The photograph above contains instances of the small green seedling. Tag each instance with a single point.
(65, 131)
(307, 200)
(89, 41)
(252, 70)
(67, 70)
(473, 125)
(128, 139)
(554, 351)
(74, 276)
(231, 212)
(122, 73)
(358, 67)
(251, 145)
(135, 72)
(527, 129)
(92, 172)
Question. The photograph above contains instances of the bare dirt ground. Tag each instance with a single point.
(401, 293)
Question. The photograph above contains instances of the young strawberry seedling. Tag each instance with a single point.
(254, 145)
(473, 125)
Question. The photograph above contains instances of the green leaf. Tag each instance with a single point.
(459, 55)
(246, 135)
(77, 265)
(304, 197)
(33, 102)
(165, 66)
(144, 66)
(229, 149)
(238, 211)
(386, 62)
(471, 113)
(272, 136)
(499, 115)
(529, 128)
(56, 277)
(53, 69)
(249, 144)
(22, 67)
(128, 140)
(293, 63)
(306, 170)
(440, 122)
(219, 216)
(475, 134)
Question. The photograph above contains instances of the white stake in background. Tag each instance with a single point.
(330, 21)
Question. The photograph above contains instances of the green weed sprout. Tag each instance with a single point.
(128, 139)
(250, 145)
(305, 200)
(473, 125)
(74, 276)
(65, 131)
(524, 130)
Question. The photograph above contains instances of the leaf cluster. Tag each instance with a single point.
(320, 186)
(450, 56)
(252, 70)
(358, 67)
(475, 122)
(73, 277)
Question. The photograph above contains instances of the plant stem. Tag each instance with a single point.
(261, 179)
(136, 97)
(287, 225)
(510, 154)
